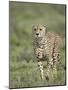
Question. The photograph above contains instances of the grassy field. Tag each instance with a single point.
(24, 71)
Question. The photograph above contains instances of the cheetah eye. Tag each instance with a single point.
(34, 29)
(40, 29)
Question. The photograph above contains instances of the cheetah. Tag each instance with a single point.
(46, 47)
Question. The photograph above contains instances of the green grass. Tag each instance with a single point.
(23, 67)
(25, 74)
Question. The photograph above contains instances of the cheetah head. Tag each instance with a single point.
(39, 30)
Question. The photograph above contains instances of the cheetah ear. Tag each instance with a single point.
(46, 26)
(32, 26)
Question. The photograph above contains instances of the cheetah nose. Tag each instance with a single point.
(37, 34)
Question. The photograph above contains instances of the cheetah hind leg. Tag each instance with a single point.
(41, 69)
(55, 59)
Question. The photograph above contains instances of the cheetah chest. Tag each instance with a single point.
(42, 49)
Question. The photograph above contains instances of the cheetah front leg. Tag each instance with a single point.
(49, 68)
(41, 69)
(39, 55)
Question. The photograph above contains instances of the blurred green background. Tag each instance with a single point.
(23, 67)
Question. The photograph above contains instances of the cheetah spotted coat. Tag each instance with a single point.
(47, 48)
